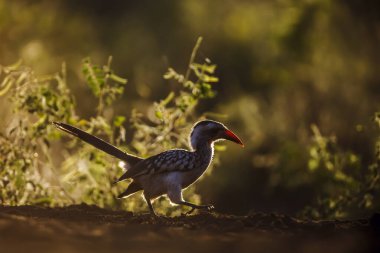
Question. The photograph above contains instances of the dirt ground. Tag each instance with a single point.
(83, 228)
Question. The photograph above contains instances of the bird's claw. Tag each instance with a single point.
(210, 208)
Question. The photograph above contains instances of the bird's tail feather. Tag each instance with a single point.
(98, 143)
(132, 188)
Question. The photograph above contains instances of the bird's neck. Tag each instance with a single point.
(204, 151)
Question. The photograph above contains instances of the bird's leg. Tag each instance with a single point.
(194, 206)
(151, 210)
(175, 196)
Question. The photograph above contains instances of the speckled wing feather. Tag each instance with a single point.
(171, 160)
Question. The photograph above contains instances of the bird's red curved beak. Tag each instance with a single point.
(229, 135)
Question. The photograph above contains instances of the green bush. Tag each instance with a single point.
(353, 189)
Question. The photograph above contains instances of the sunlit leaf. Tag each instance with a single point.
(6, 85)
(118, 79)
(118, 121)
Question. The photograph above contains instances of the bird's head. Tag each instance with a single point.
(208, 131)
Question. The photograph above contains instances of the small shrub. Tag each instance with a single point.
(352, 188)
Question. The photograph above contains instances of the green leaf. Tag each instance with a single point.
(6, 85)
(210, 79)
(205, 68)
(169, 74)
(168, 99)
(118, 121)
(118, 79)
(158, 114)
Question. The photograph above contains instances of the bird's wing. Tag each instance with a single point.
(171, 160)
(98, 143)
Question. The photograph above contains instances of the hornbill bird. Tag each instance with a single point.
(169, 172)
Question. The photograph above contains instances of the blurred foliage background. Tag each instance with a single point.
(298, 81)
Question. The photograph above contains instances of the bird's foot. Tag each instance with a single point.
(209, 208)
(206, 208)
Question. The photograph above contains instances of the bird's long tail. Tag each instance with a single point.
(98, 143)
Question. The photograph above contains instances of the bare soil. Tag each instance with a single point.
(83, 228)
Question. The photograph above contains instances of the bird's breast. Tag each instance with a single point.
(191, 176)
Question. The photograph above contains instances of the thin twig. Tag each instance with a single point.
(192, 58)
